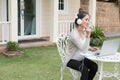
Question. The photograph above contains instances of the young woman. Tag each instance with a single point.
(79, 44)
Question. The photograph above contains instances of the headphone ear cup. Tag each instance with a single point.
(79, 21)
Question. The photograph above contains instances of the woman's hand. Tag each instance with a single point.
(93, 49)
(88, 32)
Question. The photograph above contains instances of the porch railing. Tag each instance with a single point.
(4, 31)
(65, 26)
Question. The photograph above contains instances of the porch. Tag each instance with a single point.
(31, 43)
(64, 26)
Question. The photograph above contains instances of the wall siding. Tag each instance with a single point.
(85, 5)
(73, 7)
(46, 18)
(107, 17)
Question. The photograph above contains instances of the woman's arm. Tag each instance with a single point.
(78, 43)
(75, 38)
(93, 49)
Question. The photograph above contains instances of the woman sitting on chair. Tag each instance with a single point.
(78, 44)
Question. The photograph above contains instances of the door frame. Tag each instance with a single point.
(4, 21)
(38, 24)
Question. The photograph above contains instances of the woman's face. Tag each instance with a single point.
(85, 21)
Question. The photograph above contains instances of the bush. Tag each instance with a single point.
(12, 46)
(97, 36)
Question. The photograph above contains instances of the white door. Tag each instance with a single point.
(27, 19)
(4, 27)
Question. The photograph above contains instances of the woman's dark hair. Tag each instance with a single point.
(81, 14)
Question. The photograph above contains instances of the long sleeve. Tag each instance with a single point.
(75, 38)
(74, 44)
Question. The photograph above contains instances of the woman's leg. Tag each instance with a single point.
(85, 74)
(74, 64)
(89, 69)
(92, 66)
(77, 65)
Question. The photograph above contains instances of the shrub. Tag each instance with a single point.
(97, 36)
(12, 46)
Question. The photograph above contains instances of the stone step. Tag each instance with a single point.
(30, 44)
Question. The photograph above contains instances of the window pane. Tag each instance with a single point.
(62, 6)
(7, 11)
(59, 7)
(62, 0)
(30, 17)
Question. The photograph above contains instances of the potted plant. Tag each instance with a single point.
(12, 49)
(97, 36)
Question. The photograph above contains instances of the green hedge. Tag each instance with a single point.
(12, 46)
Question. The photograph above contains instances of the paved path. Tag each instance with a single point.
(113, 34)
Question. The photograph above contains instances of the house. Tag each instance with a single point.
(33, 19)
(107, 15)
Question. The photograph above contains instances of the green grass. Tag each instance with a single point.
(41, 63)
(37, 64)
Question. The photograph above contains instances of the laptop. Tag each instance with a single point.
(109, 47)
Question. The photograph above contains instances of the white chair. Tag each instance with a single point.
(62, 45)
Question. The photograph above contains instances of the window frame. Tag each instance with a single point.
(65, 10)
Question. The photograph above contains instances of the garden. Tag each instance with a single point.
(40, 63)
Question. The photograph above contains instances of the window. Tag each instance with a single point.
(62, 6)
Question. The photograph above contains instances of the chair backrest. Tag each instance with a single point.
(62, 42)
(62, 45)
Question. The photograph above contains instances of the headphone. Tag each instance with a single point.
(79, 21)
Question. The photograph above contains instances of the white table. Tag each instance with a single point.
(112, 58)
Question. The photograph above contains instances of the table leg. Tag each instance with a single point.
(115, 69)
(116, 72)
(101, 71)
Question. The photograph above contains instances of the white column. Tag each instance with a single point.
(92, 11)
(13, 15)
(54, 29)
(4, 20)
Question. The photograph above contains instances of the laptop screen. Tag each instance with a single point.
(109, 47)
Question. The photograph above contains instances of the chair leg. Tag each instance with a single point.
(101, 71)
(116, 71)
(61, 74)
(74, 79)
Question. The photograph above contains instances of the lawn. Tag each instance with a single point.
(41, 63)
